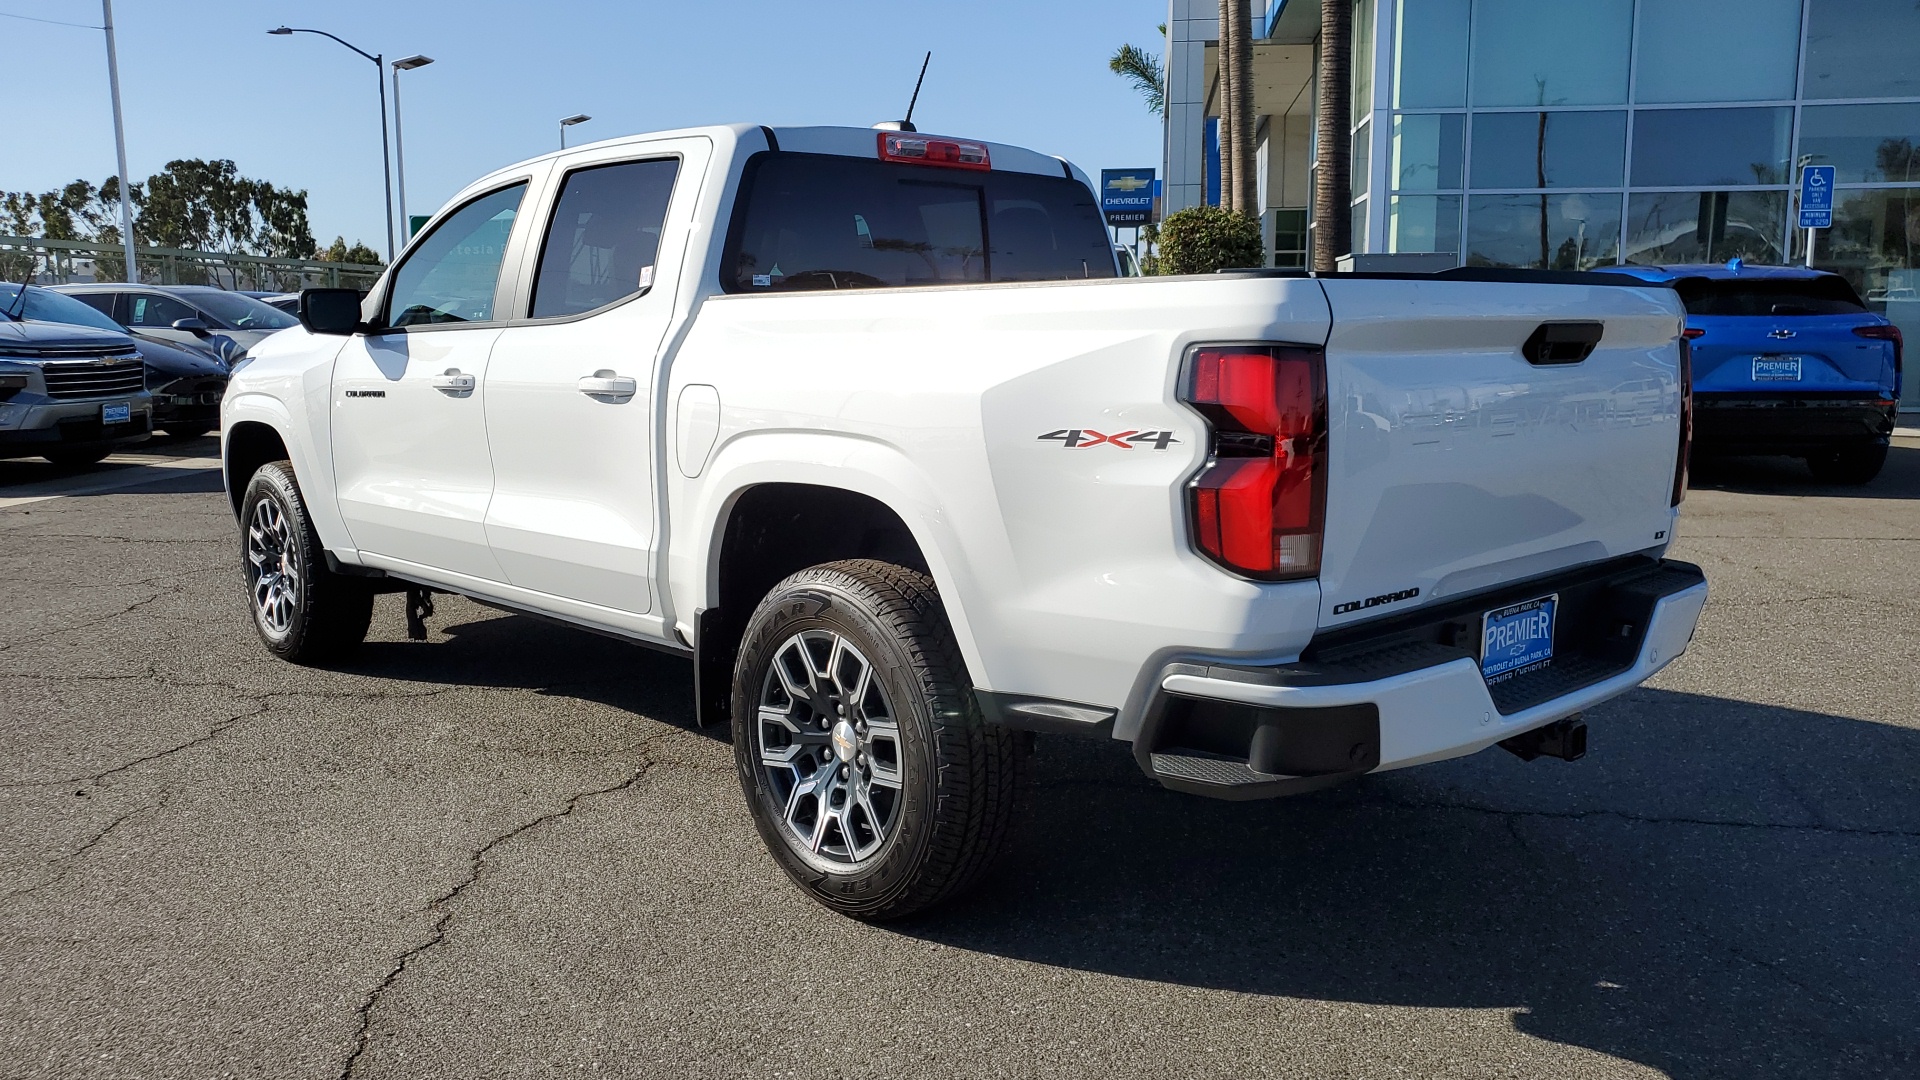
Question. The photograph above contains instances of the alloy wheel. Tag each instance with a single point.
(829, 747)
(273, 567)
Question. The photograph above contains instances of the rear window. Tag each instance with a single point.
(1810, 296)
(818, 221)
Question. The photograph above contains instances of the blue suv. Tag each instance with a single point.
(1787, 360)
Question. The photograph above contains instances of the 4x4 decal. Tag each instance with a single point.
(1082, 438)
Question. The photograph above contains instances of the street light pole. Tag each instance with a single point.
(405, 63)
(119, 142)
(567, 122)
(380, 79)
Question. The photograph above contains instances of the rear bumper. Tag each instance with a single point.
(1412, 694)
(1787, 424)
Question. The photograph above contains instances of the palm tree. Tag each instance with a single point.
(1236, 142)
(1333, 167)
(1143, 70)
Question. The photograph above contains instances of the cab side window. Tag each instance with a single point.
(604, 239)
(145, 309)
(451, 276)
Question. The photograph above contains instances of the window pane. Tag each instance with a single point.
(1427, 151)
(449, 277)
(1424, 223)
(1866, 143)
(1566, 149)
(1551, 52)
(1552, 232)
(1357, 238)
(160, 311)
(1718, 147)
(1755, 47)
(1706, 227)
(1430, 54)
(1362, 159)
(604, 237)
(1362, 59)
(1289, 237)
(1875, 244)
(810, 221)
(1862, 48)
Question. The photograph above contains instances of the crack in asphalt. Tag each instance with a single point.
(151, 583)
(438, 933)
(1649, 819)
(65, 862)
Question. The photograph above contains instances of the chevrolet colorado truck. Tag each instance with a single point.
(868, 425)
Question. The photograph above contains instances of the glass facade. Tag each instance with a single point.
(1573, 133)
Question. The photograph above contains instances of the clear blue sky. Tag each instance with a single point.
(201, 78)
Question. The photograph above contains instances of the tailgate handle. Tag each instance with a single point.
(1562, 342)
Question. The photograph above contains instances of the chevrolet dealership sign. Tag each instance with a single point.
(1126, 195)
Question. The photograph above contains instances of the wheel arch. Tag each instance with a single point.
(779, 514)
(246, 446)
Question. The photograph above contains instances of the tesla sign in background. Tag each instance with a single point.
(1126, 196)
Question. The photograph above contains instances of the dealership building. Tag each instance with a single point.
(1576, 133)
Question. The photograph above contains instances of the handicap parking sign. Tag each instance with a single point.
(1816, 197)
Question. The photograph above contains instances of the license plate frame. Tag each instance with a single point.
(117, 412)
(1525, 652)
(1779, 367)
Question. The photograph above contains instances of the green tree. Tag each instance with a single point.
(1143, 70)
(339, 252)
(1203, 239)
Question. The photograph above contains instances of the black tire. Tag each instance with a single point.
(183, 432)
(958, 779)
(73, 459)
(316, 615)
(1851, 465)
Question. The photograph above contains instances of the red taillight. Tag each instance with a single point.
(1686, 421)
(1692, 332)
(1260, 506)
(1888, 332)
(912, 149)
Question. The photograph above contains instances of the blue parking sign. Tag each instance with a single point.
(1816, 197)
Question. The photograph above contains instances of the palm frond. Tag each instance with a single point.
(1142, 69)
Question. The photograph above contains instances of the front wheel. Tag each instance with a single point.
(1857, 464)
(869, 771)
(303, 612)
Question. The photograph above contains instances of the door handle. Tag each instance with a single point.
(453, 382)
(607, 384)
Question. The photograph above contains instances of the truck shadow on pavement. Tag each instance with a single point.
(1721, 889)
(1789, 476)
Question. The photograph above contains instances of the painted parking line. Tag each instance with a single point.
(132, 471)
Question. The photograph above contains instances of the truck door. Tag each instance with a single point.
(409, 430)
(570, 388)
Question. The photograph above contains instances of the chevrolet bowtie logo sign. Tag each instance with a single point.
(1126, 196)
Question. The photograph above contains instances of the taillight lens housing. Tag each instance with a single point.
(1891, 333)
(1686, 421)
(911, 149)
(1259, 507)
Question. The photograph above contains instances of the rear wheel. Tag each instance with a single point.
(1856, 464)
(869, 771)
(75, 458)
(303, 612)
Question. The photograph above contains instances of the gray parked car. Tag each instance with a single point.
(70, 394)
(191, 314)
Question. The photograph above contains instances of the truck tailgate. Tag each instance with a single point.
(1456, 464)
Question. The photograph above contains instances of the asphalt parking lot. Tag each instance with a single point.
(506, 852)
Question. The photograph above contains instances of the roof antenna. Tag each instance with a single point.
(907, 124)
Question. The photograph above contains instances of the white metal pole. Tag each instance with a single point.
(119, 142)
(400, 162)
(1810, 249)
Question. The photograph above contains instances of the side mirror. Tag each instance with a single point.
(196, 327)
(330, 311)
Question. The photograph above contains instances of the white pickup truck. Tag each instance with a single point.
(867, 424)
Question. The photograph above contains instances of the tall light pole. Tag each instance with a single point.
(405, 63)
(380, 79)
(567, 122)
(119, 142)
